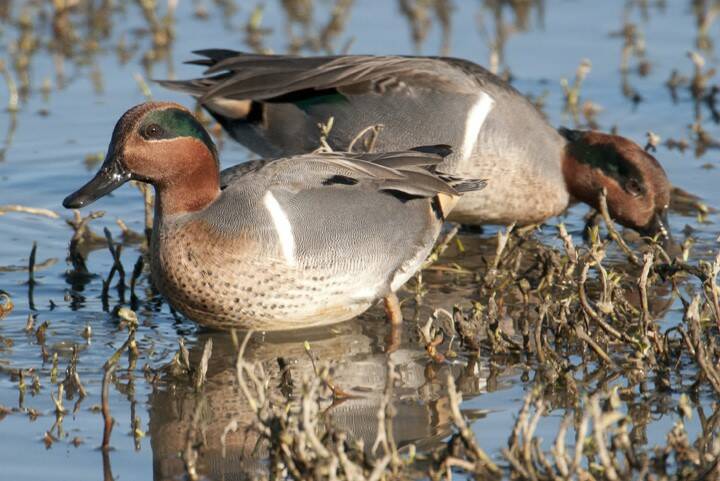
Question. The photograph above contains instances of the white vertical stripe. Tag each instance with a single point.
(474, 122)
(282, 227)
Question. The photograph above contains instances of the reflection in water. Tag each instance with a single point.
(633, 48)
(298, 16)
(12, 107)
(706, 12)
(633, 57)
(359, 368)
(305, 32)
(417, 13)
(521, 11)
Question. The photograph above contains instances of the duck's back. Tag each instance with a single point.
(496, 133)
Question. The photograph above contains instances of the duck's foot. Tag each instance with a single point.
(394, 315)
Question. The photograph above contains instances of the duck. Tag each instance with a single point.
(273, 104)
(294, 242)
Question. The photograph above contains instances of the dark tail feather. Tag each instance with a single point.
(197, 87)
(443, 150)
(462, 185)
(186, 86)
(213, 55)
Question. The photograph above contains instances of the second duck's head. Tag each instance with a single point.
(163, 144)
(638, 190)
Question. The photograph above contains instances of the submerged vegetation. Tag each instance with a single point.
(611, 342)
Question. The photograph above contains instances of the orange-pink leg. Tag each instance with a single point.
(394, 315)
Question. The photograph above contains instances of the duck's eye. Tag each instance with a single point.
(634, 188)
(153, 131)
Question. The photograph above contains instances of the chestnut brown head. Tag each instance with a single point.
(638, 190)
(160, 143)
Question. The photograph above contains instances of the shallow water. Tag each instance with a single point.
(44, 158)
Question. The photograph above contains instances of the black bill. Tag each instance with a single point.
(112, 175)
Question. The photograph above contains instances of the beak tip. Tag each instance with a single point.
(71, 202)
(110, 177)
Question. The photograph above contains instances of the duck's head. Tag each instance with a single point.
(638, 190)
(163, 144)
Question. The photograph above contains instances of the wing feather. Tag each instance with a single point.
(244, 76)
(409, 172)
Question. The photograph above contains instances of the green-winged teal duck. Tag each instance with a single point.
(289, 243)
(273, 103)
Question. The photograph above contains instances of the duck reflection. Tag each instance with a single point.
(354, 349)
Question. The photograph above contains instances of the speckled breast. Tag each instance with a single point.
(223, 283)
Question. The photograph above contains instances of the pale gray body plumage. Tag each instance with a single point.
(418, 100)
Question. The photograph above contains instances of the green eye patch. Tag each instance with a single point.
(172, 123)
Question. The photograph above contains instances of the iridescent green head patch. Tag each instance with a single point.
(173, 123)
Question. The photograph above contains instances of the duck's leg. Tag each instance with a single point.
(394, 315)
(392, 309)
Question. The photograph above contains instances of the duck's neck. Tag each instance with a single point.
(579, 177)
(190, 194)
(191, 182)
